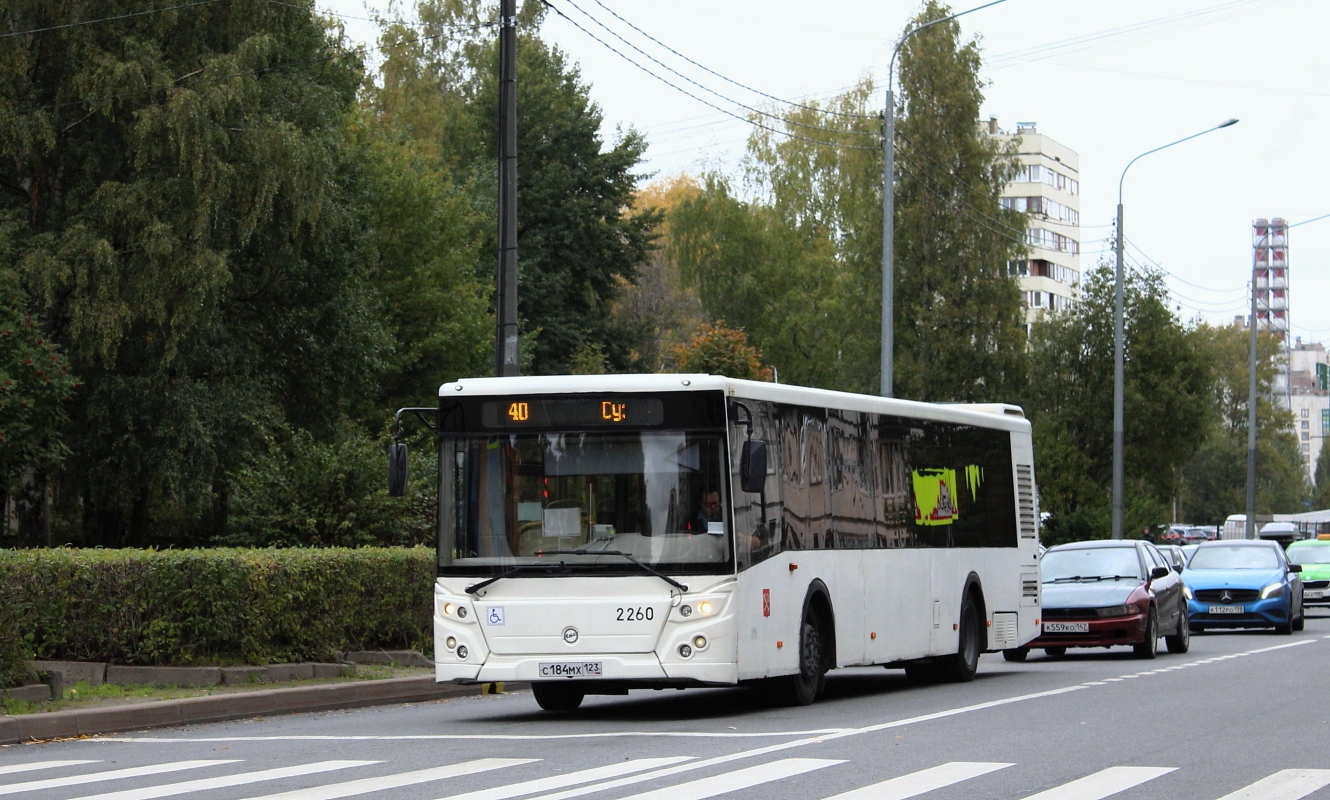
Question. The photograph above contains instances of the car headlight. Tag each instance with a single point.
(1186, 592)
(1273, 590)
(1114, 611)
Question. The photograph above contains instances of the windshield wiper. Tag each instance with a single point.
(475, 587)
(671, 581)
(1064, 579)
(1113, 578)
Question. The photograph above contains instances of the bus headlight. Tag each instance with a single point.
(462, 652)
(705, 607)
(451, 642)
(448, 609)
(685, 651)
(700, 642)
(685, 611)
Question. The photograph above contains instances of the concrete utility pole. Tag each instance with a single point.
(1118, 344)
(505, 309)
(1249, 530)
(887, 367)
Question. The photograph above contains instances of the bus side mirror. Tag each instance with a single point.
(397, 469)
(753, 466)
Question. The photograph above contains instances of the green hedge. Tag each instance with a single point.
(223, 606)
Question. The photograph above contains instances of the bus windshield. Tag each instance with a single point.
(578, 498)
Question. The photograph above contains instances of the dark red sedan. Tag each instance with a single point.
(1109, 593)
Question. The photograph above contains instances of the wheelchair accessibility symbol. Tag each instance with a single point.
(495, 615)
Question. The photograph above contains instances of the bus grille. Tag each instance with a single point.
(1025, 500)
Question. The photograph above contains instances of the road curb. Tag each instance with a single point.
(238, 705)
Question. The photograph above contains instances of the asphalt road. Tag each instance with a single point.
(1241, 715)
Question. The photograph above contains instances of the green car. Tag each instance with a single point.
(1314, 556)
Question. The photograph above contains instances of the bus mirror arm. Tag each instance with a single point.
(398, 463)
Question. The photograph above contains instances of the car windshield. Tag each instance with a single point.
(589, 502)
(1309, 553)
(1090, 563)
(1234, 556)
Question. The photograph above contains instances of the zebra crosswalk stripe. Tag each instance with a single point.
(240, 779)
(925, 780)
(1286, 784)
(1103, 783)
(366, 785)
(571, 779)
(12, 768)
(115, 774)
(736, 780)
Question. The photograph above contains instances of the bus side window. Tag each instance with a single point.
(757, 526)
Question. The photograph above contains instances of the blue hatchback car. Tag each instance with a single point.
(1243, 584)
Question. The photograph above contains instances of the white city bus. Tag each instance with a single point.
(604, 533)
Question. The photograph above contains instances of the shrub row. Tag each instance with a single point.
(220, 606)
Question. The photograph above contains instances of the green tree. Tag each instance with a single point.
(1167, 402)
(576, 243)
(1321, 494)
(960, 328)
(1215, 479)
(192, 236)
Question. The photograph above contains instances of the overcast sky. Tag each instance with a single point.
(1109, 79)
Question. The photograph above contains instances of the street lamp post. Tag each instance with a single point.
(1118, 336)
(889, 208)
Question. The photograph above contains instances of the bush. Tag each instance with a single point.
(302, 492)
(14, 653)
(217, 606)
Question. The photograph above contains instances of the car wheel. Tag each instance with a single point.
(1149, 648)
(1301, 621)
(1180, 642)
(557, 696)
(1055, 652)
(801, 689)
(1016, 653)
(961, 667)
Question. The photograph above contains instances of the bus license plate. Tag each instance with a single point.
(1066, 627)
(569, 669)
(1227, 609)
(1313, 594)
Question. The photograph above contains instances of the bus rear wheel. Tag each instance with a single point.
(961, 666)
(801, 689)
(557, 696)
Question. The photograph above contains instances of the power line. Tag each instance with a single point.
(994, 220)
(107, 19)
(980, 222)
(704, 102)
(727, 79)
(709, 90)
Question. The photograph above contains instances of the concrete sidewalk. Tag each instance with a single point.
(237, 705)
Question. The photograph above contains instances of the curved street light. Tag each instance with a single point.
(1118, 337)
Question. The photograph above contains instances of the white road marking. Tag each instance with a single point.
(739, 779)
(1286, 784)
(12, 768)
(366, 785)
(571, 779)
(925, 780)
(1102, 784)
(95, 777)
(812, 737)
(240, 779)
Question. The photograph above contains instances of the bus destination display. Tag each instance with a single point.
(572, 412)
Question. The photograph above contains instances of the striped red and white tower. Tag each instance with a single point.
(1270, 271)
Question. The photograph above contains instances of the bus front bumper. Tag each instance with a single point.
(628, 667)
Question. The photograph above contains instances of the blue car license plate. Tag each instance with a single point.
(1227, 609)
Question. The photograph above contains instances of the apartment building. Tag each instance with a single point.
(1309, 403)
(1047, 190)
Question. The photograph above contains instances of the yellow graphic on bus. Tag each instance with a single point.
(934, 499)
(974, 475)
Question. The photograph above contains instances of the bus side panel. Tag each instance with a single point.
(897, 599)
(770, 601)
(1026, 566)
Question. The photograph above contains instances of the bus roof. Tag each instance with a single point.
(985, 415)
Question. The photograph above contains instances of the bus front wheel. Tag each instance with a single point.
(557, 696)
(801, 689)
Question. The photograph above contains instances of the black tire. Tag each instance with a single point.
(1180, 642)
(1017, 654)
(1287, 628)
(802, 689)
(557, 696)
(1055, 652)
(961, 666)
(1149, 648)
(1301, 622)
